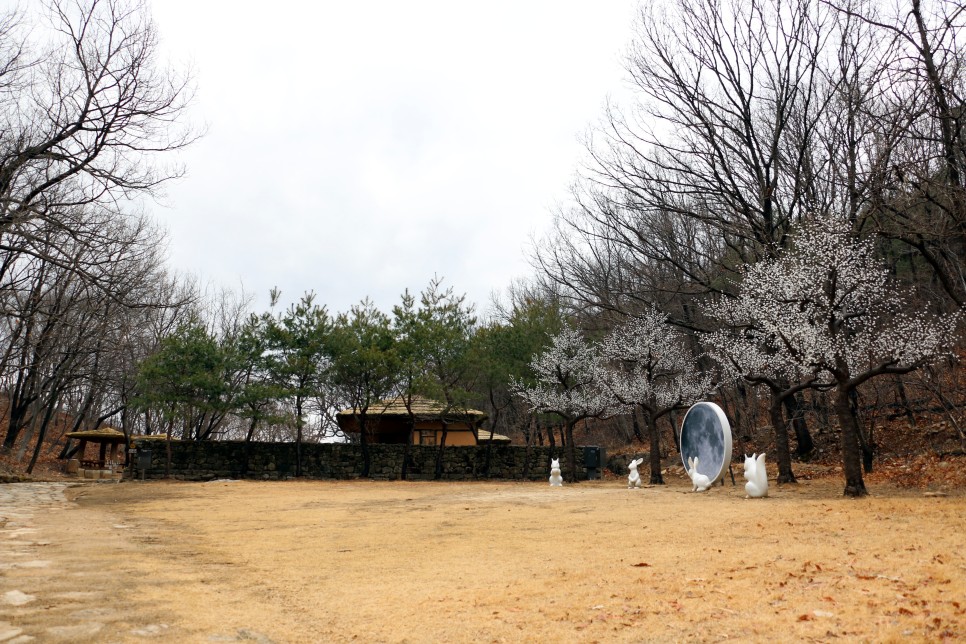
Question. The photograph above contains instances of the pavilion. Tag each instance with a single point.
(388, 422)
(105, 438)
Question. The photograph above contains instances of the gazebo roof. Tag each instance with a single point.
(103, 435)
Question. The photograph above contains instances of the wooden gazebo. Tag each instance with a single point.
(105, 438)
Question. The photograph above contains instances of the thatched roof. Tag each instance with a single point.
(484, 436)
(102, 435)
(423, 409)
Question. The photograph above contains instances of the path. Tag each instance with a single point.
(57, 585)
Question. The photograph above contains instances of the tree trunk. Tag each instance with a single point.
(68, 451)
(363, 423)
(821, 402)
(298, 436)
(904, 401)
(674, 431)
(637, 427)
(407, 449)
(867, 447)
(18, 416)
(489, 446)
(85, 408)
(438, 473)
(247, 452)
(526, 459)
(28, 434)
(167, 446)
(794, 405)
(571, 450)
(783, 455)
(43, 432)
(655, 456)
(851, 454)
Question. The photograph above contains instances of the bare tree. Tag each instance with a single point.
(89, 110)
(60, 327)
(905, 82)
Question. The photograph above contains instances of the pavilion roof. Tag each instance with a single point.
(102, 435)
(422, 408)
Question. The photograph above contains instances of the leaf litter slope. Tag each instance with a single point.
(336, 561)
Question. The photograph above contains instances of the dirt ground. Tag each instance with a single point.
(325, 561)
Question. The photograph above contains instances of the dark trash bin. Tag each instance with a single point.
(144, 462)
(593, 461)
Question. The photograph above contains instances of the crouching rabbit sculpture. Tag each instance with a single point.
(700, 481)
(757, 485)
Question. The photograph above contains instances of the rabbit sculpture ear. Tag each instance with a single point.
(556, 480)
(750, 465)
(757, 475)
(634, 478)
(700, 482)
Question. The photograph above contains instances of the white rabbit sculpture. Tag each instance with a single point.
(634, 478)
(555, 479)
(700, 481)
(757, 485)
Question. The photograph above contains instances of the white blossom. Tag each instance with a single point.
(649, 364)
(568, 379)
(825, 307)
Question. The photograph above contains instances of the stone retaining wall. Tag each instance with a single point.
(204, 461)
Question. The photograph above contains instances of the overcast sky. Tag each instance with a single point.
(358, 148)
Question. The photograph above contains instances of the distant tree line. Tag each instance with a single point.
(776, 221)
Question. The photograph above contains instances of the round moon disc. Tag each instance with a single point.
(706, 435)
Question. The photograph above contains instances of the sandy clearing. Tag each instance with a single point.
(314, 561)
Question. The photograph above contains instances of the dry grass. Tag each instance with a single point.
(430, 562)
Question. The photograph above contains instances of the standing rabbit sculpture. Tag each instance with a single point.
(555, 479)
(700, 481)
(634, 478)
(757, 485)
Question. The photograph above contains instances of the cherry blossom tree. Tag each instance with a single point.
(649, 368)
(569, 383)
(828, 307)
(745, 352)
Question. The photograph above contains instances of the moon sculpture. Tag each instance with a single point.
(706, 438)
